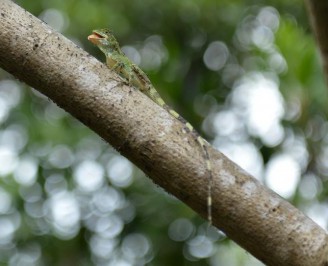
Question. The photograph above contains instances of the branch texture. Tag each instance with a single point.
(253, 216)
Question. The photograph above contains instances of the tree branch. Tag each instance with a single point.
(253, 216)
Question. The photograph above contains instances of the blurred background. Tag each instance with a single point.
(246, 74)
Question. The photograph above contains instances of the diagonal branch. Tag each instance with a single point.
(253, 216)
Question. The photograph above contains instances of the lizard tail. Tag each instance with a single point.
(201, 142)
(210, 178)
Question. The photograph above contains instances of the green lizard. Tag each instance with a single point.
(133, 75)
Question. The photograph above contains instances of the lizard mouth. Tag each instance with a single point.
(95, 37)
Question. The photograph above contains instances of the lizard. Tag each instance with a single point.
(117, 61)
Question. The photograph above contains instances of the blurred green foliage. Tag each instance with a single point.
(201, 56)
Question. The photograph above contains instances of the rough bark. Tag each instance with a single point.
(253, 216)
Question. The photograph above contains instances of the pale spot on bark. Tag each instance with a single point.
(227, 179)
(249, 188)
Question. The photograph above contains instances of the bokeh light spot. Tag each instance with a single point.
(200, 247)
(14, 137)
(136, 246)
(9, 161)
(7, 231)
(55, 18)
(10, 92)
(257, 98)
(102, 247)
(64, 214)
(269, 17)
(181, 229)
(89, 175)
(283, 174)
(153, 53)
(61, 157)
(27, 256)
(107, 200)
(216, 55)
(26, 171)
(109, 226)
(120, 171)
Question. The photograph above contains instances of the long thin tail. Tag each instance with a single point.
(210, 178)
(202, 143)
(154, 95)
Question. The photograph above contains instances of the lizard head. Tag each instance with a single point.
(105, 40)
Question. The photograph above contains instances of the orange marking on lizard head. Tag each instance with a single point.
(105, 40)
(95, 37)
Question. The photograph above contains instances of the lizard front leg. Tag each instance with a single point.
(120, 68)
